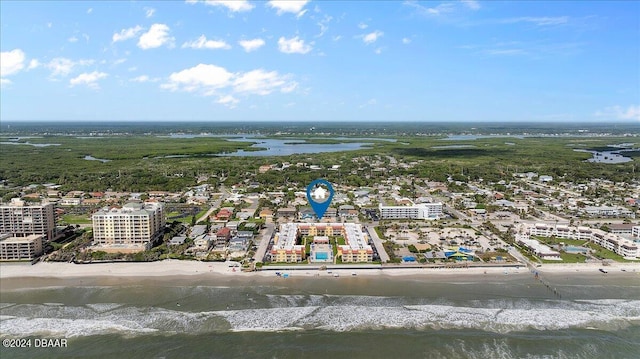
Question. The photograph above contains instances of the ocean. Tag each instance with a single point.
(491, 316)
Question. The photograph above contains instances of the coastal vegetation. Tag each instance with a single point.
(150, 162)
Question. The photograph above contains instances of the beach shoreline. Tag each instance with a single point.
(181, 268)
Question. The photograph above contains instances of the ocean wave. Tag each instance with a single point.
(70, 328)
(321, 312)
(104, 307)
(5, 305)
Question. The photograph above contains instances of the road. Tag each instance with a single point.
(215, 205)
(384, 257)
(267, 234)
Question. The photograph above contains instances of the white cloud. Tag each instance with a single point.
(207, 77)
(203, 43)
(34, 63)
(261, 82)
(378, 51)
(324, 25)
(228, 101)
(539, 21)
(119, 61)
(61, 66)
(406, 40)
(251, 45)
(505, 52)
(212, 80)
(292, 6)
(231, 5)
(371, 102)
(144, 78)
(289, 87)
(620, 113)
(441, 9)
(372, 37)
(89, 10)
(149, 12)
(362, 26)
(471, 4)
(157, 36)
(294, 45)
(5, 82)
(11, 62)
(72, 39)
(89, 79)
(141, 78)
(126, 34)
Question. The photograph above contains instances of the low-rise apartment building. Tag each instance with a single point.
(414, 211)
(610, 241)
(20, 248)
(355, 249)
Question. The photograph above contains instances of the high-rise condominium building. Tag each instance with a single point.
(134, 226)
(22, 219)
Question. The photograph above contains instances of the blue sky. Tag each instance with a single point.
(320, 61)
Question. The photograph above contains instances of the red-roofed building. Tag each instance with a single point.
(223, 235)
(224, 214)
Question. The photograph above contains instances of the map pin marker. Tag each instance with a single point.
(319, 195)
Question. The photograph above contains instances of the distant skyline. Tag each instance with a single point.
(247, 61)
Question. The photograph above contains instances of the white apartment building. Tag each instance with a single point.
(606, 211)
(21, 219)
(131, 228)
(70, 201)
(635, 232)
(20, 248)
(541, 250)
(415, 211)
(610, 241)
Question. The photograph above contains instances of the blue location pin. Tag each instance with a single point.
(320, 198)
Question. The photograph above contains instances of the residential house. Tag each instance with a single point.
(223, 235)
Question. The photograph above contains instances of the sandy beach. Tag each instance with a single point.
(195, 268)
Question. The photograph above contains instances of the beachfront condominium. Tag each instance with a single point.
(414, 211)
(355, 248)
(20, 248)
(134, 227)
(613, 242)
(285, 249)
(22, 219)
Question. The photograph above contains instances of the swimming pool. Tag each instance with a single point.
(576, 249)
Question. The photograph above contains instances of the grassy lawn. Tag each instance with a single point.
(201, 213)
(186, 220)
(600, 252)
(76, 219)
(568, 258)
(307, 244)
(553, 240)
